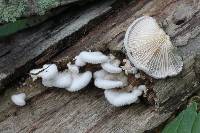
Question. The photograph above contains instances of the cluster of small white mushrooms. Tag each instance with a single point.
(148, 48)
(111, 76)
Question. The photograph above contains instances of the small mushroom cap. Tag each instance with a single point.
(93, 57)
(107, 84)
(49, 71)
(19, 99)
(149, 48)
(122, 98)
(80, 81)
(62, 80)
(109, 67)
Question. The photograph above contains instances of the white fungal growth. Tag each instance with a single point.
(79, 61)
(72, 68)
(122, 98)
(137, 76)
(19, 99)
(100, 74)
(80, 81)
(117, 98)
(62, 80)
(149, 48)
(69, 79)
(142, 87)
(107, 84)
(90, 57)
(49, 71)
(112, 65)
(105, 80)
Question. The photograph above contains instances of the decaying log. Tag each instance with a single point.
(87, 111)
(180, 19)
(19, 52)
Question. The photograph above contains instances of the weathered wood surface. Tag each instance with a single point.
(88, 111)
(19, 51)
(181, 21)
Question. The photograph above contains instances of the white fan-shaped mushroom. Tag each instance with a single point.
(19, 99)
(142, 87)
(149, 48)
(62, 80)
(79, 61)
(51, 77)
(91, 57)
(122, 98)
(100, 74)
(109, 67)
(80, 81)
(49, 71)
(112, 65)
(105, 80)
(107, 84)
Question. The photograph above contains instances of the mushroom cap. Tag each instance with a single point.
(93, 57)
(19, 99)
(107, 84)
(80, 81)
(49, 71)
(122, 98)
(62, 80)
(149, 48)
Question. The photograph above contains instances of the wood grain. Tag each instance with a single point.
(56, 110)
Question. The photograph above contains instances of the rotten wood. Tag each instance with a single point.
(166, 94)
(19, 52)
(88, 111)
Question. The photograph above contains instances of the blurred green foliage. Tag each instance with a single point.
(188, 121)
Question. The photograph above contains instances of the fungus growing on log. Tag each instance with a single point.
(149, 48)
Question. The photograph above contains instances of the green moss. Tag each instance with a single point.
(10, 10)
(45, 5)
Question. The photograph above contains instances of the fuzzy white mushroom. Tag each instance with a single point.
(19, 99)
(100, 74)
(105, 80)
(51, 77)
(62, 80)
(79, 80)
(108, 84)
(79, 61)
(112, 65)
(69, 79)
(149, 48)
(90, 57)
(118, 99)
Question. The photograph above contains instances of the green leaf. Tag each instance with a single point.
(196, 125)
(186, 122)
